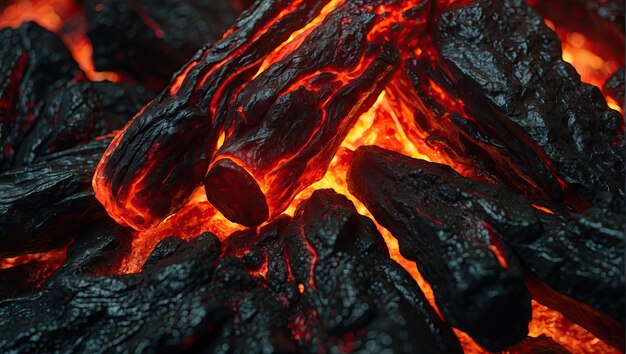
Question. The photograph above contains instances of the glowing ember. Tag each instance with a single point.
(578, 51)
(382, 117)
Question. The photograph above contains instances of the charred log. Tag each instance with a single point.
(478, 283)
(127, 36)
(150, 169)
(46, 106)
(216, 304)
(532, 93)
(290, 136)
(77, 114)
(525, 111)
(34, 63)
(98, 251)
(347, 279)
(578, 258)
(42, 205)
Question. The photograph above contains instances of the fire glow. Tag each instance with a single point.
(382, 120)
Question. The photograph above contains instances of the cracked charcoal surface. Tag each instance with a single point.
(41, 205)
(128, 36)
(293, 153)
(98, 249)
(188, 299)
(578, 255)
(46, 105)
(444, 232)
(508, 69)
(34, 63)
(178, 126)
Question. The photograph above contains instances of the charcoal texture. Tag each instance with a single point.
(46, 104)
(578, 259)
(178, 127)
(289, 136)
(188, 299)
(528, 116)
(152, 39)
(35, 63)
(614, 87)
(98, 249)
(510, 71)
(42, 205)
(442, 230)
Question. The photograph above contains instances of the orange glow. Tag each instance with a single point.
(50, 14)
(594, 68)
(53, 15)
(544, 209)
(571, 336)
(191, 221)
(388, 123)
(53, 257)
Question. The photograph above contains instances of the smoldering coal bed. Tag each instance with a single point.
(322, 176)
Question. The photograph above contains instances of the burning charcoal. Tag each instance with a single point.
(538, 345)
(334, 265)
(99, 250)
(150, 169)
(77, 114)
(614, 87)
(290, 135)
(510, 73)
(188, 299)
(90, 316)
(127, 36)
(41, 205)
(34, 63)
(24, 278)
(48, 108)
(579, 257)
(523, 110)
(478, 284)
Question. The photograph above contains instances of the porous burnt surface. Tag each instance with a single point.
(435, 213)
(189, 298)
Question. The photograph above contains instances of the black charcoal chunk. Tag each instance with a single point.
(477, 281)
(33, 64)
(329, 286)
(41, 206)
(575, 261)
(152, 39)
(508, 68)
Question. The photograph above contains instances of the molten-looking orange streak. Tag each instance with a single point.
(53, 257)
(544, 209)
